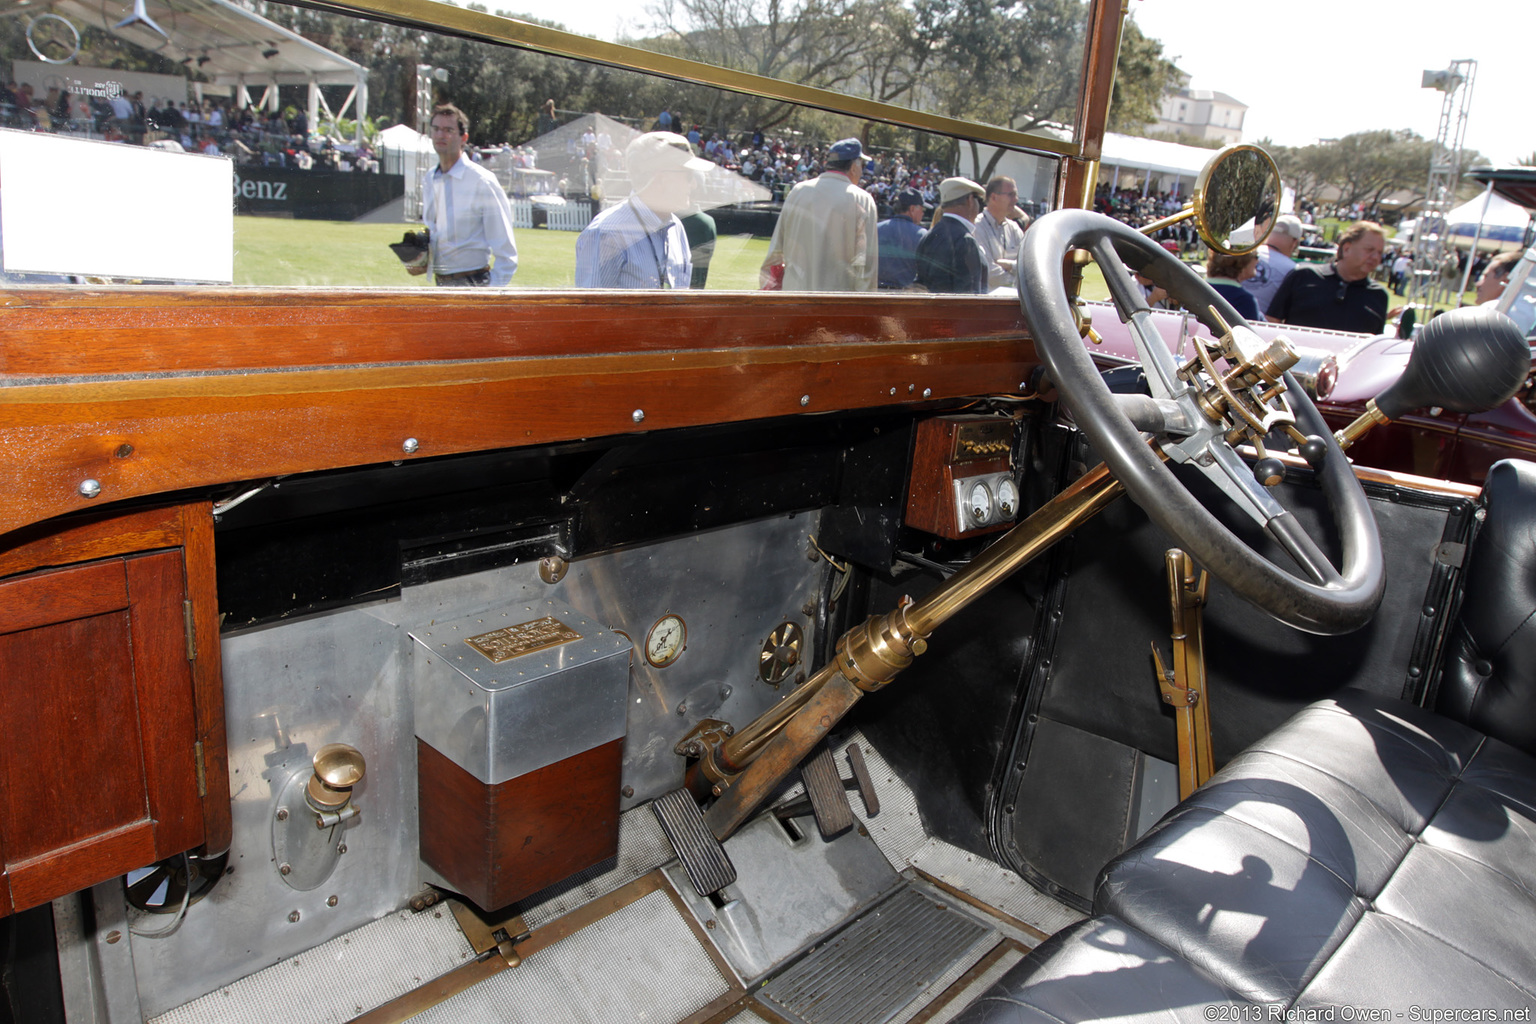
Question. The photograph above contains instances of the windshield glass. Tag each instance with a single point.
(279, 146)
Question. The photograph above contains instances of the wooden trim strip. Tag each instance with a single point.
(206, 432)
(980, 967)
(118, 333)
(446, 986)
(985, 908)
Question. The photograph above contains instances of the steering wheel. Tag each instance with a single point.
(1191, 415)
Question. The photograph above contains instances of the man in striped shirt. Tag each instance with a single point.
(640, 243)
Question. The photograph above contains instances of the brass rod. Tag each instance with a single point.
(1055, 519)
(1168, 221)
(499, 29)
(780, 741)
(1362, 424)
(741, 748)
(780, 755)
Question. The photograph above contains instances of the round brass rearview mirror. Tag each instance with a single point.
(1237, 198)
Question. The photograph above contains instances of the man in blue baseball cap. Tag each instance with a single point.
(825, 239)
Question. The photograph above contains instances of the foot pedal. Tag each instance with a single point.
(829, 800)
(861, 776)
(705, 860)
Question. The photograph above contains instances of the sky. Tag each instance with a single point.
(1321, 69)
(1307, 69)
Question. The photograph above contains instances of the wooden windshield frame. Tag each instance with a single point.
(123, 394)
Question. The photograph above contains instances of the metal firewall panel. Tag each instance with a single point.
(292, 687)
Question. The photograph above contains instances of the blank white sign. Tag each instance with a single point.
(104, 209)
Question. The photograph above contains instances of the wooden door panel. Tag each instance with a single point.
(50, 597)
(167, 718)
(72, 760)
(97, 724)
(85, 863)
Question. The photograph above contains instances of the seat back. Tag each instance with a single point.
(1488, 677)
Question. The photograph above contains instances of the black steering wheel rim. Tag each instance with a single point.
(1343, 603)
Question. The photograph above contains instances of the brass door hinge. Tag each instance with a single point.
(202, 771)
(190, 624)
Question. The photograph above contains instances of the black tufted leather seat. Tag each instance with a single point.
(1368, 854)
(1489, 669)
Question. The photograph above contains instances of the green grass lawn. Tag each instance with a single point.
(272, 251)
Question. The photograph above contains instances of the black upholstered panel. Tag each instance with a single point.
(1367, 854)
(1489, 678)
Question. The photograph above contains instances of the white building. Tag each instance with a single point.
(1202, 113)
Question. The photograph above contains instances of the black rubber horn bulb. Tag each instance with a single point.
(1466, 360)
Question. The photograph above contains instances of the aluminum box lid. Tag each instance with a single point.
(506, 691)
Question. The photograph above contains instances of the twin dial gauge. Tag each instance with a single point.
(987, 503)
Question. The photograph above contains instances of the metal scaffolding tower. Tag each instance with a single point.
(1430, 249)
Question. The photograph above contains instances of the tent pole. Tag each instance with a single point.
(362, 106)
(1476, 238)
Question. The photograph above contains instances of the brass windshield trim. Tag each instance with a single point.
(429, 14)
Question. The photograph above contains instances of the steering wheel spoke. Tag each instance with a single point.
(1197, 412)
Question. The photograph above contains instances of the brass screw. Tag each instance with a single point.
(330, 901)
(293, 917)
(282, 814)
(284, 869)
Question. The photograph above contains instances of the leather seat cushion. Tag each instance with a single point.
(1367, 853)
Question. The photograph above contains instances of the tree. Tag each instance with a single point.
(1142, 76)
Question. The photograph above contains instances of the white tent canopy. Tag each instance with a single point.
(231, 46)
(1133, 154)
(1502, 221)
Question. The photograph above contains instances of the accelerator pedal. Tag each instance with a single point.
(829, 800)
(709, 867)
(861, 776)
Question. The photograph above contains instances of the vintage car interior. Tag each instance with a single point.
(547, 655)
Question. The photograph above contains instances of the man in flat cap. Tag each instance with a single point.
(825, 239)
(640, 243)
(949, 258)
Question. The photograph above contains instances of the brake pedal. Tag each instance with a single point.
(709, 867)
(829, 801)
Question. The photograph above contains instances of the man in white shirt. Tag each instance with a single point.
(997, 233)
(1275, 260)
(468, 215)
(640, 243)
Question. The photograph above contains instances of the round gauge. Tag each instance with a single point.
(1007, 498)
(981, 502)
(665, 642)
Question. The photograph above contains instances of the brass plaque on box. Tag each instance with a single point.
(991, 439)
(524, 638)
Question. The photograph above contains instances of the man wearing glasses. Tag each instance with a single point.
(1340, 296)
(998, 234)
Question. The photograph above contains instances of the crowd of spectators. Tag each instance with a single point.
(212, 126)
(780, 162)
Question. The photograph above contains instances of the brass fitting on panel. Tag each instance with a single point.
(704, 746)
(872, 654)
